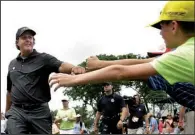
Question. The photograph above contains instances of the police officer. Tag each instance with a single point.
(109, 107)
(28, 91)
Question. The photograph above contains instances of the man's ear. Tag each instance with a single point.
(174, 26)
(34, 41)
(16, 42)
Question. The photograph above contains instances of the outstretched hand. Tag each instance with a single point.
(92, 63)
(59, 79)
(77, 70)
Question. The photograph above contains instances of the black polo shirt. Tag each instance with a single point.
(27, 79)
(111, 105)
(136, 112)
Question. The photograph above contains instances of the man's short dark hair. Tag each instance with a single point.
(187, 27)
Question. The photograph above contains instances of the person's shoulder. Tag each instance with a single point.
(12, 62)
(45, 55)
(102, 98)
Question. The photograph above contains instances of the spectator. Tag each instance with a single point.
(160, 126)
(3, 123)
(153, 124)
(79, 127)
(138, 114)
(176, 129)
(168, 124)
(65, 118)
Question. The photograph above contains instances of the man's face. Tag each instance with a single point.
(107, 88)
(169, 117)
(78, 119)
(65, 103)
(26, 42)
(137, 100)
(169, 32)
(175, 124)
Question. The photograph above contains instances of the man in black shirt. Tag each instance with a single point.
(28, 91)
(109, 107)
(137, 115)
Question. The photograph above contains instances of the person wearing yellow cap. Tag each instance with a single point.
(176, 23)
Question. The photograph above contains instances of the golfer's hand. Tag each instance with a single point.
(95, 129)
(77, 70)
(58, 80)
(92, 63)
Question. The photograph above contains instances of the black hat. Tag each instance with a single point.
(107, 83)
(24, 29)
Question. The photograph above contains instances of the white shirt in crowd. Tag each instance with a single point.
(77, 128)
(3, 126)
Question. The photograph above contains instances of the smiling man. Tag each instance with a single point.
(28, 91)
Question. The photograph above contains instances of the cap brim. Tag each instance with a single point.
(106, 84)
(155, 24)
(64, 100)
(30, 30)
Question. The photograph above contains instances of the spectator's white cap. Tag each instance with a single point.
(78, 115)
(65, 98)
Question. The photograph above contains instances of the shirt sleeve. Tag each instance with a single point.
(9, 82)
(52, 63)
(174, 67)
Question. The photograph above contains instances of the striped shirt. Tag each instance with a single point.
(181, 92)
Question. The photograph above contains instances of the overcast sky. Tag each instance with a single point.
(73, 31)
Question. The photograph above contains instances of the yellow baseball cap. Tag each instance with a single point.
(177, 11)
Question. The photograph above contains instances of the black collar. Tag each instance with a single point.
(33, 54)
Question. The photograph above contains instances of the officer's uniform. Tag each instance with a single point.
(30, 93)
(110, 107)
